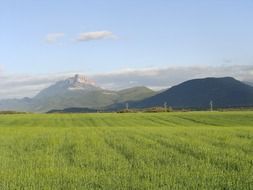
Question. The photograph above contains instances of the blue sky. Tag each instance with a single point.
(143, 34)
(122, 43)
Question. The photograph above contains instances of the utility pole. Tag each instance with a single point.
(165, 107)
(211, 105)
(126, 106)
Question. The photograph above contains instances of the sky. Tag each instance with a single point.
(52, 40)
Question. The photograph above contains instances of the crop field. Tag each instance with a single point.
(195, 150)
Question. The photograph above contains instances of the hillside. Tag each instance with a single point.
(75, 92)
(197, 93)
(135, 93)
(79, 93)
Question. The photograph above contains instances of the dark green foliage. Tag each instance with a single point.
(224, 92)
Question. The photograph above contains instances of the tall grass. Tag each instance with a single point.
(197, 150)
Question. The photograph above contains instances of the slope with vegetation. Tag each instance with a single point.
(75, 92)
(197, 93)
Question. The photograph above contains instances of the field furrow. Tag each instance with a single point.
(196, 150)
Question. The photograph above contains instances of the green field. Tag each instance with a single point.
(197, 150)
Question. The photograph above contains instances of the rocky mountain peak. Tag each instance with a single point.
(80, 80)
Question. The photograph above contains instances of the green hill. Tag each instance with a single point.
(197, 93)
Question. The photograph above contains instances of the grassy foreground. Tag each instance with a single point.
(127, 151)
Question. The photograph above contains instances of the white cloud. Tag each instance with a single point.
(1, 69)
(18, 86)
(97, 35)
(160, 78)
(54, 37)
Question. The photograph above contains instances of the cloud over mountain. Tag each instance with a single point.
(166, 77)
(157, 78)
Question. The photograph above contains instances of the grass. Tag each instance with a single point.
(197, 150)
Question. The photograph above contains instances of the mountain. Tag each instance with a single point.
(197, 93)
(75, 92)
(78, 94)
(135, 93)
(78, 83)
(19, 105)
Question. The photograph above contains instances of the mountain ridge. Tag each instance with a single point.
(197, 93)
(77, 91)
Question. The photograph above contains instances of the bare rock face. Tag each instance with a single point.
(68, 86)
(82, 79)
(80, 82)
(79, 79)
